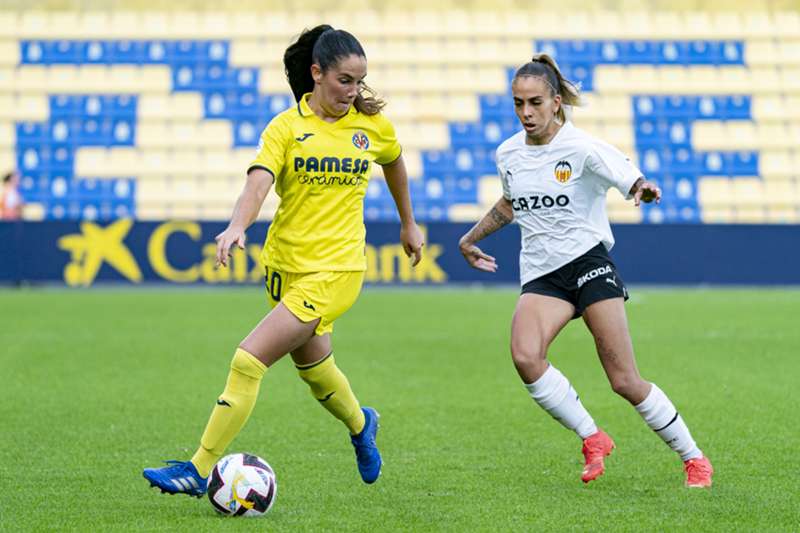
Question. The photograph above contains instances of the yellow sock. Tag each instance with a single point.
(232, 410)
(331, 388)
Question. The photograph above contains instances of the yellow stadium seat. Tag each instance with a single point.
(33, 211)
(758, 24)
(790, 80)
(7, 159)
(748, 196)
(792, 108)
(715, 193)
(424, 135)
(780, 194)
(637, 24)
(30, 108)
(156, 79)
(627, 214)
(612, 79)
(765, 80)
(734, 80)
(30, 79)
(487, 24)
(517, 26)
(154, 134)
(155, 25)
(247, 53)
(460, 50)
(7, 103)
(461, 107)
(178, 106)
(773, 135)
(768, 107)
(9, 54)
(776, 163)
(601, 21)
(95, 25)
(9, 23)
(727, 24)
(489, 190)
(668, 25)
(699, 25)
(761, 51)
(152, 191)
(146, 211)
(781, 215)
(787, 24)
(788, 51)
(92, 162)
(185, 25)
(273, 80)
(65, 25)
(35, 25)
(125, 24)
(465, 212)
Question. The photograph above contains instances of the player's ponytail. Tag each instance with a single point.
(545, 67)
(298, 58)
(326, 47)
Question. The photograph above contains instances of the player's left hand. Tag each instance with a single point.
(412, 240)
(647, 192)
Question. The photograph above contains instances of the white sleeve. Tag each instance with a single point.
(501, 171)
(612, 167)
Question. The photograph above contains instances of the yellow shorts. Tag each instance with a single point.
(313, 295)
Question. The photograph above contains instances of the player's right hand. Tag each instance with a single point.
(225, 240)
(477, 259)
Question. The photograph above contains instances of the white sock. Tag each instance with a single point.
(553, 392)
(663, 418)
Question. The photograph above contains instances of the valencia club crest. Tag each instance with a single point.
(563, 171)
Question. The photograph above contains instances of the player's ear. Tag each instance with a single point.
(557, 101)
(316, 73)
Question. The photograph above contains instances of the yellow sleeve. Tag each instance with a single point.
(271, 152)
(390, 148)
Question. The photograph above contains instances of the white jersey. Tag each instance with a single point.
(558, 194)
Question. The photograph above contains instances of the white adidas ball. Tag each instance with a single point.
(242, 484)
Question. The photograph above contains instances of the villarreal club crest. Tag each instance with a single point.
(563, 171)
(360, 140)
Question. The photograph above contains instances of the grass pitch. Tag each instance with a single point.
(100, 384)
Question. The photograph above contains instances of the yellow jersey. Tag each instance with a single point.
(321, 174)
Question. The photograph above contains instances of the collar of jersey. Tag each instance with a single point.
(305, 111)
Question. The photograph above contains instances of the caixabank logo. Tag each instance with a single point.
(185, 252)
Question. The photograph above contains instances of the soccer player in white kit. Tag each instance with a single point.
(555, 178)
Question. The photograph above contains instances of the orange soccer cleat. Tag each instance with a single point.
(698, 472)
(595, 448)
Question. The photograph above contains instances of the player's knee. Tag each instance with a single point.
(630, 386)
(529, 356)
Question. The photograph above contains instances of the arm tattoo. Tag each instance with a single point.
(491, 222)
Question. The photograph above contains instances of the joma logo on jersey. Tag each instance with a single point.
(531, 203)
(331, 164)
(360, 140)
(601, 271)
(563, 171)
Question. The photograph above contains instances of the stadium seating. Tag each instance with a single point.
(156, 114)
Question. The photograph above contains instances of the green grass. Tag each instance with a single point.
(99, 384)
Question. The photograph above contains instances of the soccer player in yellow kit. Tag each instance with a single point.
(319, 154)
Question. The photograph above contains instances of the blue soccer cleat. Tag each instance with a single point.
(367, 455)
(177, 478)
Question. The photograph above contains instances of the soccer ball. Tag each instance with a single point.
(242, 485)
